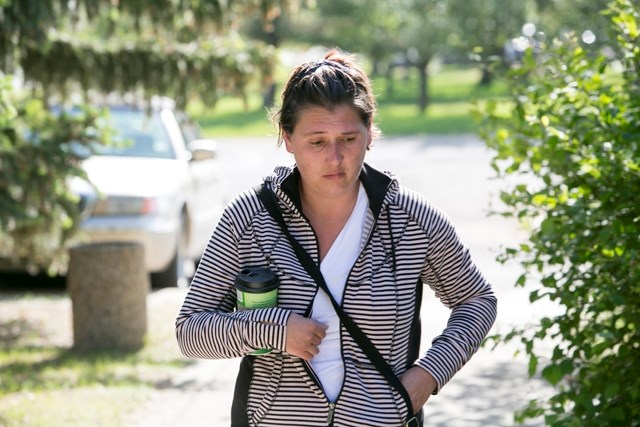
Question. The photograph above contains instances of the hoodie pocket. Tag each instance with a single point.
(368, 394)
(267, 373)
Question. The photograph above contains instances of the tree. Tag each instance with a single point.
(573, 128)
(367, 27)
(177, 48)
(557, 17)
(415, 30)
(423, 32)
(484, 28)
(169, 47)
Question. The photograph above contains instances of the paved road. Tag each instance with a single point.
(454, 173)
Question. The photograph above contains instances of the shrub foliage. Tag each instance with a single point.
(572, 143)
(39, 153)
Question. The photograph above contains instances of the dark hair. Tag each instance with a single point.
(328, 83)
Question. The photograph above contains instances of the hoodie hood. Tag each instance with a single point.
(381, 187)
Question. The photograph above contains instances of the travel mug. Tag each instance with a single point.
(256, 287)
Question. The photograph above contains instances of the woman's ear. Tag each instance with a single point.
(287, 142)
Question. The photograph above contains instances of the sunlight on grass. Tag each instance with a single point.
(453, 90)
(78, 407)
(438, 119)
(231, 117)
(45, 384)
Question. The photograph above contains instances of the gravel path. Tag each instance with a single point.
(199, 396)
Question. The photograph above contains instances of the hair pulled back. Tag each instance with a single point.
(330, 82)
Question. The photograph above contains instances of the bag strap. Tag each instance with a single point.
(268, 200)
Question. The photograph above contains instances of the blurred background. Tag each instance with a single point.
(132, 121)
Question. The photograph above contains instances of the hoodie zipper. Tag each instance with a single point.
(332, 405)
(316, 380)
(332, 408)
(307, 366)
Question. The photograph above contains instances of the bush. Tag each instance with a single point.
(39, 153)
(572, 141)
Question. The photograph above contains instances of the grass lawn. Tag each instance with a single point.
(453, 90)
(45, 383)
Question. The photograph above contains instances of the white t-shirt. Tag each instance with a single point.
(335, 268)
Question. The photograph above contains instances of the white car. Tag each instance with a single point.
(159, 186)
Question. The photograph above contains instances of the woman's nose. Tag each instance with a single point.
(335, 151)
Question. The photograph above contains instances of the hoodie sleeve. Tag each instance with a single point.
(207, 325)
(457, 282)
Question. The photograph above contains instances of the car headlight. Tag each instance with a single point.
(126, 205)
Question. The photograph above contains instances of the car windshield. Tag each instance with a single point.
(138, 135)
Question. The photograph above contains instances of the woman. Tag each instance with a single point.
(376, 244)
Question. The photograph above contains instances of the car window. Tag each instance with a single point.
(138, 135)
(189, 129)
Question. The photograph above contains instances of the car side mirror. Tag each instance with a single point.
(202, 149)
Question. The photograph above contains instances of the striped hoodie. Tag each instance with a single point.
(410, 243)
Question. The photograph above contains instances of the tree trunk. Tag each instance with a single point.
(389, 79)
(272, 37)
(424, 98)
(487, 75)
(269, 95)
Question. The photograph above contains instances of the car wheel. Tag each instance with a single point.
(169, 276)
(174, 274)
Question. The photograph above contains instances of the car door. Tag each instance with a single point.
(206, 201)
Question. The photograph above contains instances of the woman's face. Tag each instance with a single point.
(329, 148)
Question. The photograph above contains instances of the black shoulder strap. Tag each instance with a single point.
(268, 200)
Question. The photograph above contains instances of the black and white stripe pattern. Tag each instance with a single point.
(409, 240)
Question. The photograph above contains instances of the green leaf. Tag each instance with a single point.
(611, 390)
(552, 373)
(534, 295)
(533, 365)
(548, 227)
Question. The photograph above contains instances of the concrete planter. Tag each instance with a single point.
(108, 286)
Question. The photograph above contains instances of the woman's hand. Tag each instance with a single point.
(419, 384)
(304, 336)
